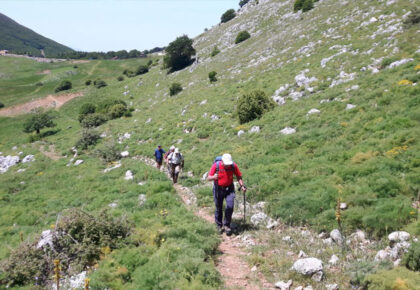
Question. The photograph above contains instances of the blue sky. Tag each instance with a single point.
(104, 25)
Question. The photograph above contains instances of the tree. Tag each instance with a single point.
(38, 121)
(142, 69)
(253, 105)
(212, 76)
(179, 53)
(175, 89)
(63, 86)
(307, 5)
(228, 15)
(243, 2)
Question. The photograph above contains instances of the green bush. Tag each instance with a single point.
(179, 53)
(142, 69)
(120, 78)
(89, 138)
(86, 109)
(242, 36)
(39, 84)
(298, 5)
(99, 83)
(108, 152)
(215, 51)
(307, 5)
(243, 3)
(413, 18)
(212, 76)
(411, 259)
(63, 86)
(117, 111)
(105, 106)
(228, 15)
(79, 241)
(88, 82)
(1, 105)
(175, 89)
(93, 120)
(396, 279)
(253, 105)
(129, 73)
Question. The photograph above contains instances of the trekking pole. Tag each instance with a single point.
(244, 207)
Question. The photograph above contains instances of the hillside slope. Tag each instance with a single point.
(22, 40)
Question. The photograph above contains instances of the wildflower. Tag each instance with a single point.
(405, 82)
(40, 173)
(412, 212)
(417, 67)
(52, 226)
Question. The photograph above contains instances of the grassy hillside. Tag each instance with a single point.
(21, 40)
(361, 148)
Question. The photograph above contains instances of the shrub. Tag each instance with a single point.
(242, 36)
(93, 120)
(179, 53)
(243, 3)
(411, 259)
(253, 105)
(228, 15)
(105, 106)
(87, 108)
(89, 138)
(88, 82)
(39, 84)
(1, 105)
(149, 63)
(395, 279)
(212, 76)
(413, 18)
(108, 152)
(307, 5)
(38, 121)
(298, 5)
(120, 78)
(117, 111)
(99, 83)
(142, 69)
(215, 51)
(129, 73)
(79, 240)
(63, 86)
(175, 89)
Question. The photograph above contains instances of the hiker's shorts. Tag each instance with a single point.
(219, 194)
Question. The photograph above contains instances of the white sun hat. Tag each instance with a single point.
(172, 147)
(227, 159)
(176, 150)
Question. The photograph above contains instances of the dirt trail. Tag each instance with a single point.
(230, 263)
(50, 101)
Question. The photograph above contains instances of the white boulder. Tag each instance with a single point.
(313, 111)
(400, 62)
(307, 266)
(350, 106)
(8, 161)
(333, 260)
(259, 218)
(240, 133)
(125, 154)
(78, 162)
(142, 199)
(336, 236)
(28, 158)
(382, 255)
(288, 131)
(47, 237)
(398, 236)
(255, 129)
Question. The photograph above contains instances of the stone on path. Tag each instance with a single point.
(307, 266)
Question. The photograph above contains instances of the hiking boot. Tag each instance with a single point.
(228, 230)
(220, 230)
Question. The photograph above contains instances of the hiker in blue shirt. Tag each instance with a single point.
(159, 152)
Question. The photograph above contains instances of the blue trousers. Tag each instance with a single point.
(219, 194)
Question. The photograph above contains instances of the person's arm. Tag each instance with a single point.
(212, 176)
(239, 178)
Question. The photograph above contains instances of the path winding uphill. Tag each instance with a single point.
(230, 263)
(50, 101)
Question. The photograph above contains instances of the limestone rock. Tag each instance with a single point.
(28, 158)
(307, 266)
(8, 161)
(142, 199)
(381, 255)
(350, 106)
(259, 218)
(129, 175)
(336, 236)
(334, 260)
(47, 237)
(284, 285)
(318, 276)
(400, 62)
(399, 236)
(125, 154)
(255, 129)
(332, 287)
(288, 131)
(313, 111)
(302, 254)
(78, 162)
(240, 133)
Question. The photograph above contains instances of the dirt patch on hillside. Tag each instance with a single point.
(44, 72)
(50, 152)
(80, 61)
(50, 101)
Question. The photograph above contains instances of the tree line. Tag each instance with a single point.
(121, 54)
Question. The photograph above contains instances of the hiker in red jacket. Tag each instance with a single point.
(222, 173)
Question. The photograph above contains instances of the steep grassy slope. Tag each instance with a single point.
(21, 40)
(366, 156)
